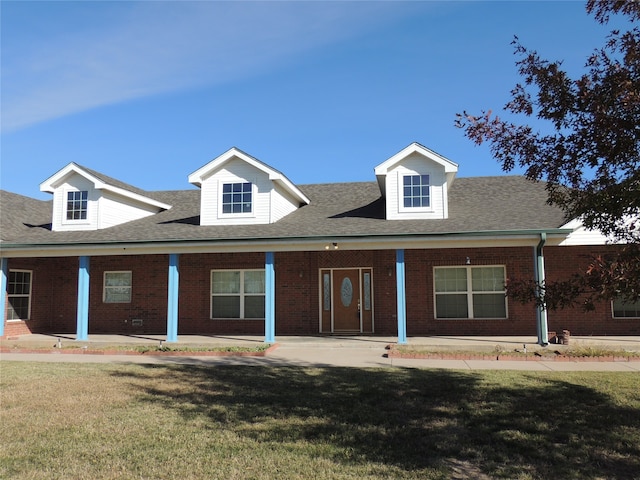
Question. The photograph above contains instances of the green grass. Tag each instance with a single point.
(102, 421)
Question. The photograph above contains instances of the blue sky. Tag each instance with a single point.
(148, 92)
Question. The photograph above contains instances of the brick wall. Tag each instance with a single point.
(54, 293)
(560, 263)
(54, 285)
(419, 264)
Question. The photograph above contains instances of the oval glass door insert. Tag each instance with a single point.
(346, 292)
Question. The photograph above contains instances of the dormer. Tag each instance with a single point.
(87, 200)
(415, 183)
(237, 189)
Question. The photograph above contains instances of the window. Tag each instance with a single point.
(77, 205)
(237, 198)
(117, 287)
(237, 293)
(415, 191)
(470, 292)
(19, 295)
(622, 309)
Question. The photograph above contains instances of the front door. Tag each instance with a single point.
(346, 301)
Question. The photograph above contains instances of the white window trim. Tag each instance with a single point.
(613, 314)
(469, 293)
(105, 286)
(254, 194)
(21, 295)
(241, 294)
(401, 207)
(65, 200)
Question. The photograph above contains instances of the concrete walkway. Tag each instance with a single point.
(356, 351)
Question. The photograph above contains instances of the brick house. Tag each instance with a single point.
(417, 252)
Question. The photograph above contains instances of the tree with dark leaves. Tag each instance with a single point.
(588, 155)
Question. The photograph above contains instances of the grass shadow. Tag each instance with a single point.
(501, 424)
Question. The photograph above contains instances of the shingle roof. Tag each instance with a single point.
(479, 204)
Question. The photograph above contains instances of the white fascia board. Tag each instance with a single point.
(450, 168)
(384, 167)
(51, 183)
(197, 177)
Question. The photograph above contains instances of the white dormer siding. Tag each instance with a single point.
(75, 183)
(415, 165)
(235, 171)
(112, 210)
(108, 203)
(425, 167)
(583, 236)
(104, 209)
(272, 195)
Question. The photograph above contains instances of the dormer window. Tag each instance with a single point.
(415, 191)
(237, 198)
(77, 205)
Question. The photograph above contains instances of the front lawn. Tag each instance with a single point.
(102, 421)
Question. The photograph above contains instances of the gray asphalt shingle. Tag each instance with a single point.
(478, 204)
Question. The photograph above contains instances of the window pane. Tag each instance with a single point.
(237, 197)
(452, 306)
(626, 309)
(367, 291)
(415, 190)
(225, 307)
(77, 205)
(18, 308)
(254, 282)
(451, 279)
(117, 279)
(19, 283)
(489, 305)
(254, 306)
(117, 295)
(487, 279)
(225, 282)
(326, 288)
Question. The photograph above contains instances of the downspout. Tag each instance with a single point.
(4, 274)
(541, 310)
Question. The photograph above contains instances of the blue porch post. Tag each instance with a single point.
(172, 301)
(4, 273)
(270, 299)
(82, 329)
(401, 298)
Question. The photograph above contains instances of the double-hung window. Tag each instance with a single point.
(415, 191)
(626, 309)
(117, 287)
(19, 295)
(77, 205)
(470, 292)
(237, 293)
(237, 198)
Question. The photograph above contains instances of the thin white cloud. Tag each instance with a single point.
(155, 47)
